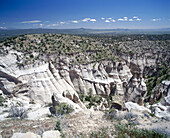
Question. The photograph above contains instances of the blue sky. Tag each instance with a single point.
(106, 14)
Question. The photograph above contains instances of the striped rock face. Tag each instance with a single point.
(37, 83)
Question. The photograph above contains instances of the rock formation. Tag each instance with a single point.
(38, 83)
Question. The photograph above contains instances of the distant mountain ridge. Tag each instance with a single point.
(5, 33)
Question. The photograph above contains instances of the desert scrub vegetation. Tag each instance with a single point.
(124, 131)
(46, 45)
(85, 49)
(60, 125)
(112, 114)
(91, 100)
(17, 111)
(61, 122)
(101, 133)
(162, 73)
(63, 108)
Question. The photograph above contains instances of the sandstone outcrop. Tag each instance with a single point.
(40, 81)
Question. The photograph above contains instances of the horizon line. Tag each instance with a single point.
(87, 28)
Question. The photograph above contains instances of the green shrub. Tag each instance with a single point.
(82, 97)
(109, 100)
(102, 133)
(2, 100)
(90, 105)
(88, 98)
(152, 114)
(130, 116)
(58, 126)
(49, 105)
(94, 100)
(110, 114)
(63, 108)
(90, 91)
(124, 131)
(17, 111)
(98, 99)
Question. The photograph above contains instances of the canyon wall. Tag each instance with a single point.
(37, 83)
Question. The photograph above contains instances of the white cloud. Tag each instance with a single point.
(3, 28)
(125, 18)
(113, 20)
(120, 19)
(130, 20)
(154, 20)
(74, 21)
(93, 20)
(107, 21)
(41, 25)
(52, 25)
(109, 18)
(86, 19)
(138, 19)
(35, 21)
(135, 17)
(62, 22)
(89, 19)
(102, 18)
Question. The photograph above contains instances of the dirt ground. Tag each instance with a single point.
(73, 125)
(87, 122)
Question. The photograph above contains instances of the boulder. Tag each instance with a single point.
(135, 106)
(162, 114)
(57, 98)
(161, 111)
(116, 106)
(51, 134)
(75, 99)
(68, 95)
(39, 113)
(25, 135)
